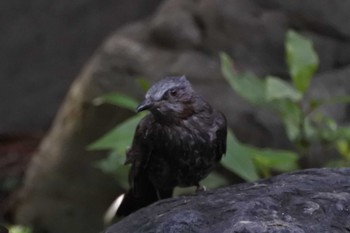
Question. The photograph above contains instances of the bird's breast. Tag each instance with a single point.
(181, 154)
(184, 138)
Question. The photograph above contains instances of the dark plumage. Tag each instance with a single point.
(177, 144)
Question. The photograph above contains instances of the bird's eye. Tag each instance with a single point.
(173, 92)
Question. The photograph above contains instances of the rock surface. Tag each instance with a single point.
(43, 46)
(306, 201)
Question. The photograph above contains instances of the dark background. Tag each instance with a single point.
(43, 46)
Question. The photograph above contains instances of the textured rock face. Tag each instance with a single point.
(309, 201)
(183, 37)
(43, 46)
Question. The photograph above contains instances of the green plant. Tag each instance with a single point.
(19, 229)
(305, 124)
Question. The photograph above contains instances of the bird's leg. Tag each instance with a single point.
(200, 188)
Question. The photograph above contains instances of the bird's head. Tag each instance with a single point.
(170, 97)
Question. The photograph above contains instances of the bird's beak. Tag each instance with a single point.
(146, 104)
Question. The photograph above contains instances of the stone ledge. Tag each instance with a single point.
(313, 200)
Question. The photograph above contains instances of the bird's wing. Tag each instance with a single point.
(221, 134)
(139, 153)
(142, 192)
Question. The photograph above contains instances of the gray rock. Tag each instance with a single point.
(330, 85)
(328, 17)
(44, 45)
(177, 30)
(307, 201)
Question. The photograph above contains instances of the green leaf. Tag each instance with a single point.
(277, 88)
(19, 229)
(245, 160)
(302, 60)
(247, 85)
(118, 99)
(215, 180)
(238, 159)
(290, 114)
(276, 159)
(334, 134)
(114, 164)
(331, 100)
(143, 83)
(310, 130)
(343, 147)
(119, 138)
(316, 103)
(111, 163)
(343, 132)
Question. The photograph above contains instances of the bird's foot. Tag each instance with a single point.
(200, 188)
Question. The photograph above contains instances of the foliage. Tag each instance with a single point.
(19, 229)
(118, 99)
(117, 140)
(248, 161)
(120, 137)
(302, 60)
(303, 122)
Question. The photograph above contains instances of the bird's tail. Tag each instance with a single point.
(133, 202)
(142, 194)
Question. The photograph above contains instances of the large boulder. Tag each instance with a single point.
(309, 201)
(43, 46)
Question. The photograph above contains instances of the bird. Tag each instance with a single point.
(178, 143)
